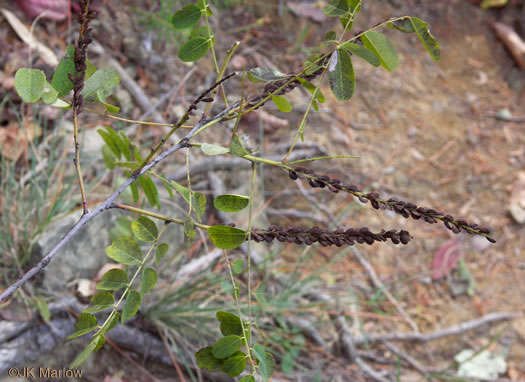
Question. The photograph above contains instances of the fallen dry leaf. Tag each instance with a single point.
(49, 9)
(26, 36)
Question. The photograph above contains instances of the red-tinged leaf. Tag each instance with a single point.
(446, 259)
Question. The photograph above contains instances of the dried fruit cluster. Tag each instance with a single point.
(274, 85)
(84, 39)
(339, 237)
(405, 209)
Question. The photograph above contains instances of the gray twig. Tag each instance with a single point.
(379, 284)
(451, 331)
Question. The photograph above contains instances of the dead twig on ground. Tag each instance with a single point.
(379, 284)
(410, 360)
(451, 331)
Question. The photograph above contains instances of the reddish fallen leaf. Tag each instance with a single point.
(54, 9)
(57, 10)
(445, 259)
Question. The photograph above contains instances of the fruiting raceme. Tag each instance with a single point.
(339, 237)
(84, 39)
(274, 85)
(405, 209)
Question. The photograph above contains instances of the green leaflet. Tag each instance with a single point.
(226, 237)
(194, 49)
(103, 80)
(186, 17)
(29, 84)
(365, 53)
(231, 203)
(429, 42)
(379, 44)
(341, 75)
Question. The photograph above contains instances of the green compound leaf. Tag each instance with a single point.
(336, 8)
(50, 95)
(230, 324)
(266, 361)
(231, 202)
(162, 250)
(114, 279)
(212, 149)
(238, 266)
(29, 84)
(86, 323)
(226, 346)
(95, 344)
(361, 51)
(124, 250)
(99, 302)
(60, 80)
(148, 281)
(104, 80)
(282, 104)
(186, 17)
(265, 75)
(426, 38)
(206, 360)
(226, 237)
(379, 44)
(235, 365)
(131, 307)
(194, 49)
(341, 75)
(145, 229)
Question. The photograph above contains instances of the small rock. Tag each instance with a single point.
(517, 213)
(480, 244)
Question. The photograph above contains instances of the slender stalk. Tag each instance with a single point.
(227, 60)
(189, 181)
(77, 162)
(238, 120)
(236, 298)
(155, 215)
(249, 260)
(132, 120)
